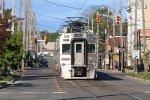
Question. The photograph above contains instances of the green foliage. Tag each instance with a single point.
(51, 37)
(7, 15)
(102, 26)
(3, 84)
(12, 51)
(146, 56)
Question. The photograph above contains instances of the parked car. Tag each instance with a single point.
(43, 63)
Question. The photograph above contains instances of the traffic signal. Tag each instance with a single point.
(45, 38)
(97, 18)
(35, 40)
(117, 19)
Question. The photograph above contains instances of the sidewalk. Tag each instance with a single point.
(126, 73)
(116, 71)
(19, 73)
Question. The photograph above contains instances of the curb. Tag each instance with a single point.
(8, 83)
(138, 79)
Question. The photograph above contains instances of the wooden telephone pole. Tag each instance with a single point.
(135, 36)
(2, 8)
(20, 15)
(114, 35)
(121, 40)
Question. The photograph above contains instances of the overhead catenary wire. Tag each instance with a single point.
(42, 14)
(61, 5)
(81, 7)
(47, 27)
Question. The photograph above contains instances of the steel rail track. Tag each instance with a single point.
(79, 87)
(100, 86)
(114, 89)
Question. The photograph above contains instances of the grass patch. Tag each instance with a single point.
(9, 77)
(141, 75)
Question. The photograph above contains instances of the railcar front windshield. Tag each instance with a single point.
(65, 48)
(91, 48)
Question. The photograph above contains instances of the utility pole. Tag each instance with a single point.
(113, 65)
(24, 33)
(121, 39)
(92, 23)
(13, 15)
(107, 42)
(97, 14)
(2, 8)
(135, 36)
(26, 28)
(143, 20)
(29, 24)
(88, 24)
(144, 35)
(34, 32)
(20, 15)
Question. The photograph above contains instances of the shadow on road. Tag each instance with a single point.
(105, 76)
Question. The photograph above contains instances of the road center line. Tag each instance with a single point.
(57, 85)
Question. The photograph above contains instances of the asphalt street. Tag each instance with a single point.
(45, 84)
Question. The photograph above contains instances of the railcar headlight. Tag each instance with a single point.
(63, 64)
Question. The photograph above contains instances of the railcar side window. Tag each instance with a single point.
(65, 48)
(78, 48)
(91, 48)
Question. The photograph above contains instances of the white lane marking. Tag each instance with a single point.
(58, 92)
(147, 92)
(33, 92)
(135, 97)
(2, 93)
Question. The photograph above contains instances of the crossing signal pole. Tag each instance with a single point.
(98, 22)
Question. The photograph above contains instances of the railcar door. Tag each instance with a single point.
(79, 53)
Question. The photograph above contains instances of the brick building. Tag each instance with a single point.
(135, 37)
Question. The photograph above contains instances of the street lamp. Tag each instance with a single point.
(123, 66)
(119, 67)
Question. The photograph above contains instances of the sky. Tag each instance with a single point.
(51, 14)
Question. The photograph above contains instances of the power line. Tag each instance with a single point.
(47, 27)
(43, 15)
(83, 4)
(81, 7)
(61, 5)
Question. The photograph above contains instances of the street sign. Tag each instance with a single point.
(136, 54)
(140, 46)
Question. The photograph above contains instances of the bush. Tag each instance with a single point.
(129, 67)
(3, 83)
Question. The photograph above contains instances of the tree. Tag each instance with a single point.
(103, 22)
(12, 51)
(51, 37)
(5, 26)
(146, 58)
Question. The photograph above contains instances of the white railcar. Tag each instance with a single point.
(76, 55)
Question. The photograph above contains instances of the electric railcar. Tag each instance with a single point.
(76, 55)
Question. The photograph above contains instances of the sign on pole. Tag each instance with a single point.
(136, 54)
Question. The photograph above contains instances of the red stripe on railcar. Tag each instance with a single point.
(65, 59)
